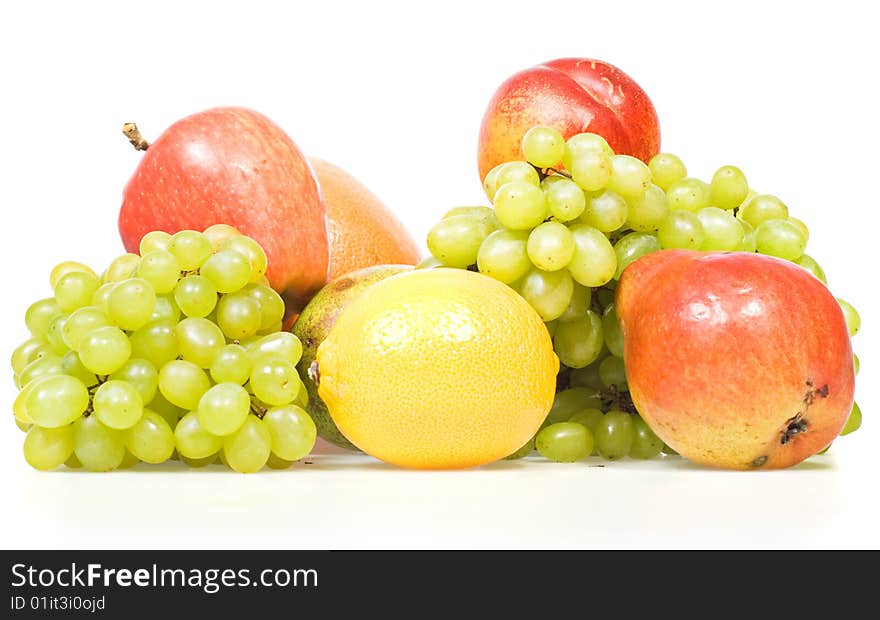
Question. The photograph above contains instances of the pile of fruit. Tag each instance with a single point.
(606, 303)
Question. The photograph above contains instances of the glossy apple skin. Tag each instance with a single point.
(234, 166)
(574, 95)
(727, 352)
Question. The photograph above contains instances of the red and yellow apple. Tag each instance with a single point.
(735, 360)
(234, 166)
(573, 95)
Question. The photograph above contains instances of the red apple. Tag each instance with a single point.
(234, 166)
(735, 360)
(574, 95)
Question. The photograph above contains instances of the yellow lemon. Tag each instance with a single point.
(438, 369)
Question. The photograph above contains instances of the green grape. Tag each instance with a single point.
(192, 440)
(853, 320)
(232, 364)
(142, 375)
(55, 336)
(155, 342)
(122, 268)
(516, 172)
(274, 380)
(548, 292)
(248, 449)
(614, 435)
(72, 462)
(582, 143)
(748, 243)
(72, 366)
(722, 231)
(228, 270)
(853, 422)
(645, 443)
(276, 462)
(96, 446)
(809, 263)
(503, 255)
(612, 372)
(578, 343)
(202, 462)
(302, 396)
(594, 262)
(57, 401)
(292, 431)
(456, 240)
(647, 212)
(118, 404)
(564, 442)
(23, 426)
(429, 262)
(199, 340)
(856, 362)
(761, 208)
(165, 309)
(196, 296)
(62, 269)
(80, 322)
(551, 326)
(104, 350)
(250, 249)
(270, 302)
(490, 183)
(666, 169)
(632, 247)
(19, 405)
(587, 377)
(688, 194)
(668, 450)
(46, 366)
(154, 241)
(101, 298)
(801, 226)
(581, 297)
(281, 345)
(238, 316)
(217, 234)
(526, 449)
(591, 171)
(520, 205)
(605, 212)
(565, 200)
(39, 315)
(550, 246)
(483, 214)
(590, 417)
(630, 177)
(729, 187)
(160, 269)
(543, 146)
(28, 351)
(75, 289)
(611, 332)
(190, 248)
(47, 448)
(129, 460)
(169, 412)
(223, 408)
(780, 238)
(681, 230)
(605, 295)
(570, 401)
(183, 383)
(131, 303)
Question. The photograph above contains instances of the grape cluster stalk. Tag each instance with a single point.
(563, 226)
(173, 353)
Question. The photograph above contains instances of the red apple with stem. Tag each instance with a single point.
(232, 166)
(735, 360)
(573, 95)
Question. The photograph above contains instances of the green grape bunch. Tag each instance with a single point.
(563, 226)
(175, 352)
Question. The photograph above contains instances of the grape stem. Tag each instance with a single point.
(134, 136)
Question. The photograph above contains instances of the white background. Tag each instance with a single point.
(394, 92)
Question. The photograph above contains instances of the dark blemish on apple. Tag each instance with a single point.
(794, 426)
(343, 284)
(759, 462)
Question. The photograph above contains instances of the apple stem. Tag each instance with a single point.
(134, 136)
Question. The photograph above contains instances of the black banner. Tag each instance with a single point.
(414, 584)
